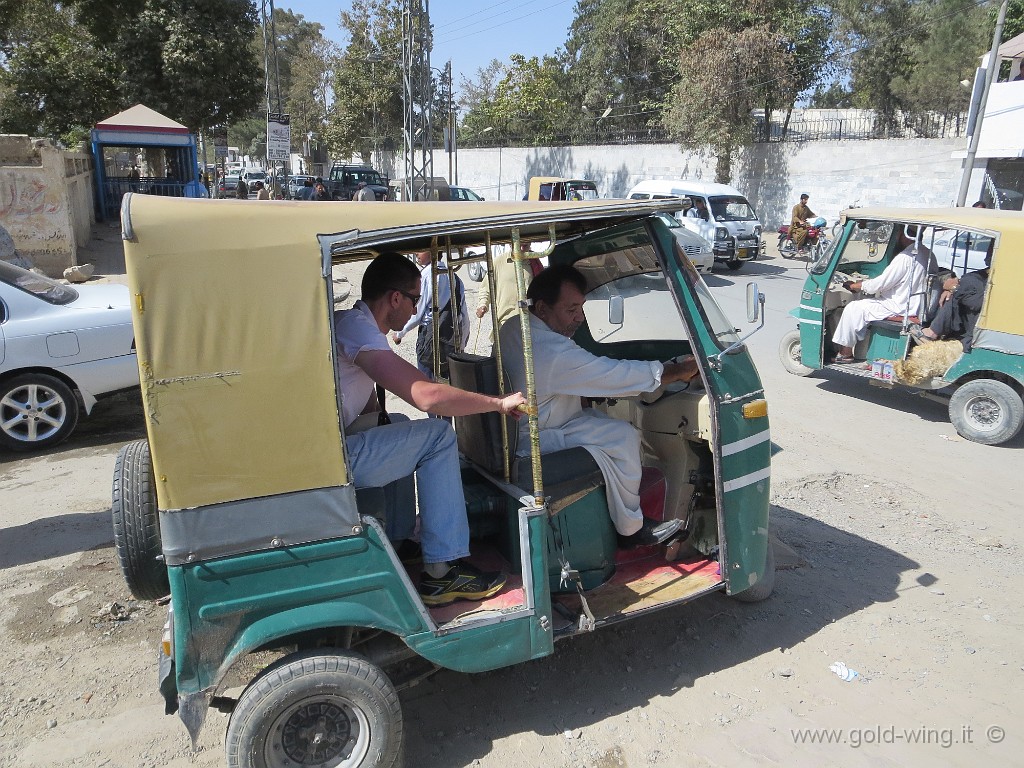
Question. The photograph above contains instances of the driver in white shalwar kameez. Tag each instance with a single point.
(564, 372)
(899, 290)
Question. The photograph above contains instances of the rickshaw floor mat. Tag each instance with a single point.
(486, 558)
(642, 583)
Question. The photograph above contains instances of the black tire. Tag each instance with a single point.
(786, 248)
(789, 354)
(734, 264)
(37, 411)
(475, 271)
(133, 510)
(763, 589)
(986, 411)
(317, 708)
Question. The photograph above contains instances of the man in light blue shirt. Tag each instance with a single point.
(423, 317)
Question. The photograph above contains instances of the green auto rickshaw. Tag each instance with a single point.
(979, 372)
(240, 502)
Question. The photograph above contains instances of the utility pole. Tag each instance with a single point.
(990, 73)
(416, 96)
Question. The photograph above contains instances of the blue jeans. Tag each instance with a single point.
(381, 455)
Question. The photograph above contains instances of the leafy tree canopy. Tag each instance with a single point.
(66, 66)
(367, 80)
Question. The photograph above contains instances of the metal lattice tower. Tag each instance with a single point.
(416, 96)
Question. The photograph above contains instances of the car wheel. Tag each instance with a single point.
(133, 511)
(317, 708)
(734, 264)
(476, 271)
(36, 411)
(763, 589)
(986, 411)
(789, 354)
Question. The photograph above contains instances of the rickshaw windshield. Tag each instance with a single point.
(865, 244)
(649, 310)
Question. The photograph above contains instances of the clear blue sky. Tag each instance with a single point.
(469, 32)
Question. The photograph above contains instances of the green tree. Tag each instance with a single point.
(880, 53)
(528, 104)
(1014, 24)
(309, 91)
(623, 54)
(74, 63)
(54, 81)
(740, 70)
(948, 37)
(367, 81)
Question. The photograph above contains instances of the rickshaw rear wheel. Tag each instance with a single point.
(317, 708)
(763, 589)
(133, 511)
(789, 354)
(986, 411)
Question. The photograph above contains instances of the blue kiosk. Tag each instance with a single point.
(140, 150)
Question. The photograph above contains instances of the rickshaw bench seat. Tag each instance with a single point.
(899, 319)
(565, 473)
(573, 483)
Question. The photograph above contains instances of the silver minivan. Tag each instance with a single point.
(718, 213)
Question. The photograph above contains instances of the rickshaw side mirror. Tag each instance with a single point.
(616, 310)
(755, 301)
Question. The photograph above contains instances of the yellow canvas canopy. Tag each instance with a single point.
(1002, 310)
(232, 314)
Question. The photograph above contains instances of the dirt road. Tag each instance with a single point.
(900, 551)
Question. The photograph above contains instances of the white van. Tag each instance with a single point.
(718, 213)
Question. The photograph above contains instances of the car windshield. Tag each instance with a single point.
(38, 285)
(369, 176)
(731, 208)
(256, 176)
(582, 192)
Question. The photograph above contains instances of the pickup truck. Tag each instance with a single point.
(344, 179)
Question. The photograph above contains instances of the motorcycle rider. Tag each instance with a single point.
(798, 225)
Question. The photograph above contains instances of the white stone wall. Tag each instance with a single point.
(897, 172)
(46, 201)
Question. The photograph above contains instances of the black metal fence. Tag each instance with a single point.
(860, 124)
(819, 125)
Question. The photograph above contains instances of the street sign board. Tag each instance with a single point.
(220, 143)
(279, 136)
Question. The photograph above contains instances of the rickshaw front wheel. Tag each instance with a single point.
(322, 708)
(789, 354)
(986, 411)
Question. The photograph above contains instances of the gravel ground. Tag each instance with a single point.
(904, 565)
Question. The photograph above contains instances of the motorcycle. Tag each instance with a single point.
(815, 231)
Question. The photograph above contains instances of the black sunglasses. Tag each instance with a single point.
(414, 298)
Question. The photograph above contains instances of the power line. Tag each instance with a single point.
(477, 13)
(509, 21)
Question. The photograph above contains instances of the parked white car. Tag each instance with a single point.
(964, 250)
(61, 348)
(698, 250)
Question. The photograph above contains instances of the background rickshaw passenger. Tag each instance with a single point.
(380, 455)
(899, 289)
(957, 317)
(564, 372)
